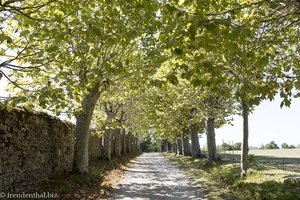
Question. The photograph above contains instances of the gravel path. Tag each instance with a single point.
(154, 177)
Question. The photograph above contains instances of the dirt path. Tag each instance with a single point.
(154, 177)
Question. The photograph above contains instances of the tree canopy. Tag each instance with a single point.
(164, 66)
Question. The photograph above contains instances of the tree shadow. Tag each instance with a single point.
(281, 163)
(155, 178)
(268, 162)
(286, 190)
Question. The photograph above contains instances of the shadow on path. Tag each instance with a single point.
(153, 177)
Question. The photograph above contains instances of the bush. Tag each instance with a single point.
(271, 145)
(284, 146)
(237, 146)
(228, 147)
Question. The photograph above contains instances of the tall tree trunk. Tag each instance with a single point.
(81, 132)
(179, 146)
(169, 146)
(164, 145)
(196, 151)
(118, 142)
(128, 142)
(108, 144)
(211, 140)
(245, 146)
(174, 147)
(108, 135)
(186, 145)
(124, 146)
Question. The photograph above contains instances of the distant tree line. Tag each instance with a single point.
(286, 146)
(228, 147)
(273, 145)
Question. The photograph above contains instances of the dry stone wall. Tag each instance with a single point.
(34, 146)
(95, 147)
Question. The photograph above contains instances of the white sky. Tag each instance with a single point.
(267, 123)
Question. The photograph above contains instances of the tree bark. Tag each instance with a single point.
(128, 143)
(196, 151)
(108, 135)
(124, 146)
(118, 142)
(186, 145)
(179, 146)
(245, 146)
(164, 145)
(108, 144)
(211, 140)
(174, 147)
(169, 145)
(81, 132)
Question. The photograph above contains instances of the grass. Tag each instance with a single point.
(268, 178)
(103, 175)
(283, 153)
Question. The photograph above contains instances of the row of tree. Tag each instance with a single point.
(273, 145)
(175, 68)
(229, 147)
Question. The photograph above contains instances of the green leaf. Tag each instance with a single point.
(24, 33)
(2, 37)
(172, 79)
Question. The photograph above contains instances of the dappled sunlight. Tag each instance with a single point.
(154, 177)
(268, 177)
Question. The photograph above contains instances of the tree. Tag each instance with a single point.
(284, 146)
(271, 145)
(11, 11)
(226, 147)
(292, 147)
(91, 46)
(195, 146)
(237, 146)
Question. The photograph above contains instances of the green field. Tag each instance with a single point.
(273, 174)
(284, 153)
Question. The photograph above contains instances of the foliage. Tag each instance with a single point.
(169, 65)
(229, 147)
(271, 145)
(150, 145)
(286, 146)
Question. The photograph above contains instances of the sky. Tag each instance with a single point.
(267, 123)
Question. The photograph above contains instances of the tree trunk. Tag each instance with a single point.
(124, 146)
(174, 148)
(245, 147)
(164, 145)
(108, 144)
(196, 152)
(169, 146)
(118, 142)
(179, 146)
(211, 140)
(108, 135)
(81, 132)
(186, 145)
(128, 142)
